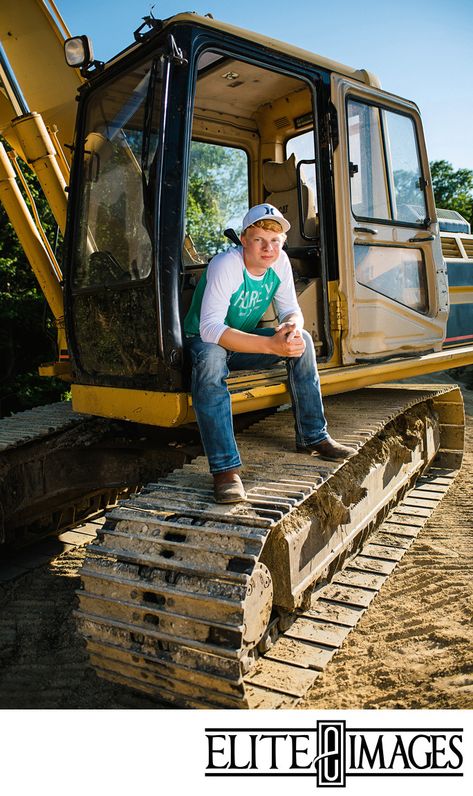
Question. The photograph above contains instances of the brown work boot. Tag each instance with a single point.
(228, 487)
(328, 449)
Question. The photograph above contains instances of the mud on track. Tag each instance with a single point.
(412, 649)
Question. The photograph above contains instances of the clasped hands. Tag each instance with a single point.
(288, 340)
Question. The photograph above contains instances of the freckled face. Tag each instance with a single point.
(261, 248)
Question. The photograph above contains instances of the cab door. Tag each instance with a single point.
(392, 285)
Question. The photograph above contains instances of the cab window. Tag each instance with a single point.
(302, 146)
(386, 180)
(396, 272)
(217, 198)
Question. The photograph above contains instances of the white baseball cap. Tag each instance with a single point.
(265, 212)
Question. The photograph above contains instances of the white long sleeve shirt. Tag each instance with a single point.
(228, 296)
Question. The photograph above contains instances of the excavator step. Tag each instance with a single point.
(242, 606)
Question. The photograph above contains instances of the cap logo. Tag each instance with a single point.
(269, 210)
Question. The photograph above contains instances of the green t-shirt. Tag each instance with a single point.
(235, 298)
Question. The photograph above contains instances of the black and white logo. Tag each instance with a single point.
(331, 752)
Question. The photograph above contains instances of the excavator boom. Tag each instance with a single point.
(32, 35)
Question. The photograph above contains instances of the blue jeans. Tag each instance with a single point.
(211, 364)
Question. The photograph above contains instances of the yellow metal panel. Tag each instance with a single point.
(32, 35)
(462, 294)
(62, 370)
(140, 406)
(173, 409)
(362, 75)
(260, 398)
(449, 412)
(354, 377)
(452, 437)
(165, 409)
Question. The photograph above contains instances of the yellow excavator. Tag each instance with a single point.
(145, 161)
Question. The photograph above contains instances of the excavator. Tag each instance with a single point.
(148, 163)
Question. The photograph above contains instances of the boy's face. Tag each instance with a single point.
(261, 249)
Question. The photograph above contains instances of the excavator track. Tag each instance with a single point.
(210, 606)
(35, 497)
(36, 424)
(59, 468)
(22, 436)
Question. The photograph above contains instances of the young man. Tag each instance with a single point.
(222, 335)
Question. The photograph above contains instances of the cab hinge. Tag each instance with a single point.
(328, 136)
(338, 310)
(333, 125)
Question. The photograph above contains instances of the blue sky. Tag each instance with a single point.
(421, 51)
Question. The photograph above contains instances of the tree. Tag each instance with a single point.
(27, 333)
(453, 189)
(217, 194)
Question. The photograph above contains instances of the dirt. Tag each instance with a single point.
(412, 648)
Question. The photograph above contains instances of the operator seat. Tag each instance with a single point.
(280, 180)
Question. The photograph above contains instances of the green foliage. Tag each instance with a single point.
(410, 202)
(27, 334)
(217, 194)
(453, 189)
(217, 198)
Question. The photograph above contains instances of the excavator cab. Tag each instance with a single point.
(169, 152)
(175, 139)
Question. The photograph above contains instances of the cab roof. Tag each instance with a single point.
(363, 75)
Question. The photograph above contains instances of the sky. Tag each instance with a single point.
(421, 51)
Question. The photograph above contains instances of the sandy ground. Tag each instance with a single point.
(412, 648)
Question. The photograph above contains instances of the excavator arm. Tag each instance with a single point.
(37, 118)
(47, 85)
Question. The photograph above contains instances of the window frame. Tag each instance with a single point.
(317, 79)
(372, 245)
(426, 221)
(91, 95)
(299, 134)
(199, 140)
(300, 162)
